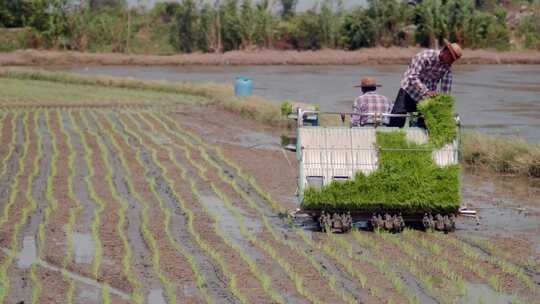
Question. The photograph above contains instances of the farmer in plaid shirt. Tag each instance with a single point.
(369, 102)
(420, 81)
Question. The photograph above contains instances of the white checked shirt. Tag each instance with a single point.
(425, 72)
(370, 102)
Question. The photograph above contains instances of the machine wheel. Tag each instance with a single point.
(446, 223)
(393, 223)
(335, 222)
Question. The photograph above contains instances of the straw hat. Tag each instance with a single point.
(454, 48)
(367, 82)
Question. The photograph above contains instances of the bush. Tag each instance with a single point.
(358, 30)
(184, 31)
(231, 31)
(484, 30)
(106, 32)
(14, 13)
(529, 31)
(306, 31)
(14, 38)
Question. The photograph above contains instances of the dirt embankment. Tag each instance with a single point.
(261, 57)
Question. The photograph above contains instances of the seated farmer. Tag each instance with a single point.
(420, 81)
(369, 102)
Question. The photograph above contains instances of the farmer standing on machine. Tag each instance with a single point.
(420, 81)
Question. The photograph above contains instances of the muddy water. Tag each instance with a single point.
(481, 293)
(498, 99)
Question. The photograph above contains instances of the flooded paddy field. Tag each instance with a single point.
(186, 203)
(496, 99)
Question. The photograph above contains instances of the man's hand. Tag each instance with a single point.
(431, 94)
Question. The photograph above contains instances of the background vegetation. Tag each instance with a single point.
(223, 25)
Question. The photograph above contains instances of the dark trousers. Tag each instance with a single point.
(404, 104)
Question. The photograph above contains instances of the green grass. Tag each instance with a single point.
(406, 181)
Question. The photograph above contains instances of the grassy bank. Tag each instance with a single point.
(25, 87)
(500, 155)
(371, 56)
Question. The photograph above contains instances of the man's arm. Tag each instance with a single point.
(418, 62)
(446, 83)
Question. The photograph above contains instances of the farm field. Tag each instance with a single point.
(179, 201)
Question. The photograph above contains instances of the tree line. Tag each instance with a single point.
(224, 25)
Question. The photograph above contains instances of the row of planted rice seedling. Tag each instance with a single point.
(37, 286)
(96, 219)
(490, 248)
(199, 240)
(92, 158)
(435, 249)
(201, 281)
(339, 244)
(266, 246)
(73, 212)
(500, 265)
(452, 283)
(137, 294)
(17, 201)
(260, 275)
(148, 229)
(119, 146)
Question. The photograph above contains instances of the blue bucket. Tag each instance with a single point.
(243, 86)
